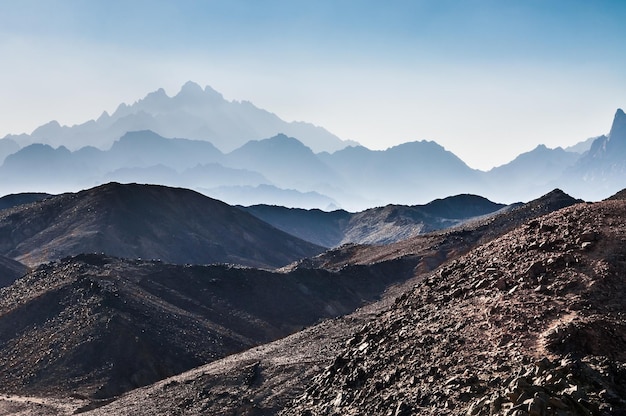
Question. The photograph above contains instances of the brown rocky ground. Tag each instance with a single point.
(99, 326)
(529, 323)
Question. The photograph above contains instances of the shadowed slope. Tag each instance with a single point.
(155, 222)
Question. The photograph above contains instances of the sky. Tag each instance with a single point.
(486, 79)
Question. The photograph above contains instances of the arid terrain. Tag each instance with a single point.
(520, 313)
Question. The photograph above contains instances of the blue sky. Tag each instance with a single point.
(485, 79)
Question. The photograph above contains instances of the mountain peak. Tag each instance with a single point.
(192, 92)
(619, 126)
(191, 87)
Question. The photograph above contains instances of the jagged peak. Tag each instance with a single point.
(618, 128)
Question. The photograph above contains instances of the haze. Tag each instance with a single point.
(485, 79)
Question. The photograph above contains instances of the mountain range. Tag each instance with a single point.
(157, 140)
(381, 225)
(195, 113)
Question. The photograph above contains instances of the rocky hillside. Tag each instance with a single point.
(530, 323)
(12, 200)
(425, 252)
(144, 221)
(100, 326)
(10, 270)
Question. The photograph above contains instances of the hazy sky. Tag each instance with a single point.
(485, 79)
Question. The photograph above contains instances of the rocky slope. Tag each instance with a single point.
(146, 221)
(98, 326)
(530, 323)
(10, 270)
(12, 200)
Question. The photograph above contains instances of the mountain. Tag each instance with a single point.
(285, 161)
(146, 148)
(531, 173)
(382, 225)
(285, 167)
(194, 113)
(405, 174)
(95, 326)
(581, 147)
(262, 194)
(7, 147)
(526, 321)
(142, 221)
(323, 228)
(600, 171)
(423, 252)
(40, 167)
(13, 200)
(509, 325)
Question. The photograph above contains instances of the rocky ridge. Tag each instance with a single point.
(531, 323)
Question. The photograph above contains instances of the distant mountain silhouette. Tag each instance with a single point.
(283, 170)
(155, 222)
(285, 161)
(261, 194)
(194, 113)
(405, 174)
(7, 147)
(601, 171)
(531, 173)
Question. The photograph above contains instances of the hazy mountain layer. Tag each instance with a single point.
(193, 113)
(288, 169)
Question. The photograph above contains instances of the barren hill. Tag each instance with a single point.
(530, 323)
(146, 221)
(100, 326)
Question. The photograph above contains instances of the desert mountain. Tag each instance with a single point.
(194, 113)
(294, 161)
(530, 321)
(600, 171)
(104, 325)
(382, 225)
(153, 222)
(97, 326)
(13, 200)
(427, 251)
